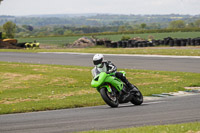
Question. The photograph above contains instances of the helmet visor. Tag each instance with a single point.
(97, 62)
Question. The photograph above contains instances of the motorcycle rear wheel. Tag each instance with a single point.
(137, 98)
(109, 98)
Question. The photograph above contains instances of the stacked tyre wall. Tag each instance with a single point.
(28, 45)
(164, 42)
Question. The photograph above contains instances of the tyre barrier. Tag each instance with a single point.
(100, 43)
(129, 44)
(21, 45)
(165, 42)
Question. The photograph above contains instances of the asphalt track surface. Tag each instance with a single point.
(169, 110)
(163, 63)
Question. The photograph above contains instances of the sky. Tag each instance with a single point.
(38, 7)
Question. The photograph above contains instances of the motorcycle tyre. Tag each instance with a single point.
(113, 104)
(135, 100)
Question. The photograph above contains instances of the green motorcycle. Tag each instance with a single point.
(113, 90)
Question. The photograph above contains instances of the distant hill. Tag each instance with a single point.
(63, 15)
(94, 19)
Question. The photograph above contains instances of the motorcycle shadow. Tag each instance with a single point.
(125, 105)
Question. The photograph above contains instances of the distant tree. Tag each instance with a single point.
(0, 1)
(60, 31)
(68, 32)
(28, 27)
(143, 25)
(9, 28)
(177, 24)
(122, 28)
(190, 25)
(117, 23)
(136, 27)
(129, 28)
(197, 23)
(154, 26)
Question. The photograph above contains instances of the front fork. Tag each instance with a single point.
(108, 87)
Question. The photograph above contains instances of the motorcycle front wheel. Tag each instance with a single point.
(109, 98)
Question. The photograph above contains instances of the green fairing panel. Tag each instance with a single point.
(115, 82)
(98, 80)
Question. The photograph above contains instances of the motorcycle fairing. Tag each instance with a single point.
(99, 80)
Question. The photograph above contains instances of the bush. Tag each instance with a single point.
(125, 38)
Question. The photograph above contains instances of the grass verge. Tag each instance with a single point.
(60, 40)
(147, 51)
(33, 87)
(175, 128)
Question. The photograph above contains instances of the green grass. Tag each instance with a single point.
(33, 87)
(175, 128)
(147, 51)
(50, 40)
(70, 39)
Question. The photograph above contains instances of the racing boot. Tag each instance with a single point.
(128, 84)
(131, 87)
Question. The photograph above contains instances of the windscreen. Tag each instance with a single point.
(95, 72)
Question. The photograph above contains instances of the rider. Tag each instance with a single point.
(108, 67)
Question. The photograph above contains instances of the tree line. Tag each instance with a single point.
(96, 19)
(11, 30)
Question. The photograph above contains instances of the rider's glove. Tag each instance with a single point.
(108, 72)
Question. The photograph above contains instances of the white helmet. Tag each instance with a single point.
(98, 59)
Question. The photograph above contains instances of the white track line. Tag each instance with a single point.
(154, 102)
(129, 55)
